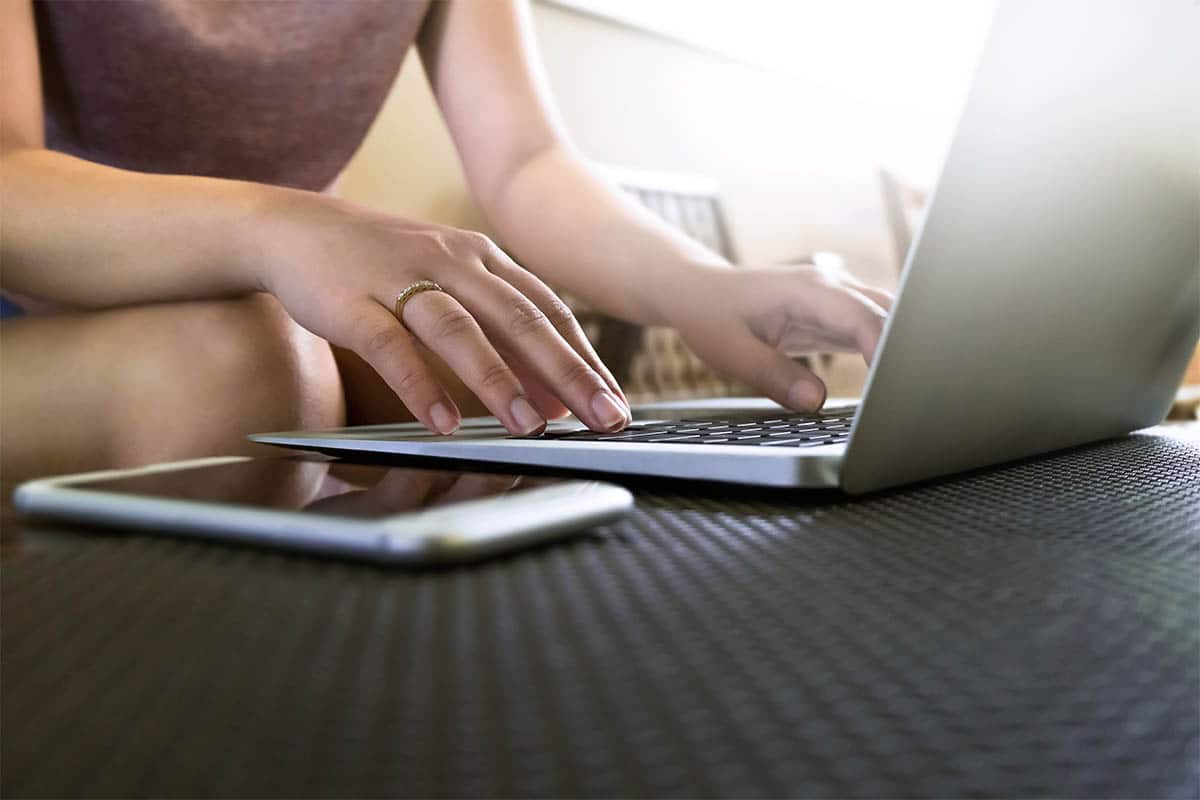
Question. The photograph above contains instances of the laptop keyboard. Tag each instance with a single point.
(781, 430)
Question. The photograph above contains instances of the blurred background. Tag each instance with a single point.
(817, 128)
(791, 107)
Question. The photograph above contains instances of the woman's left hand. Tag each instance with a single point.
(745, 322)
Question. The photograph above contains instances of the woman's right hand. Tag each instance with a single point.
(338, 268)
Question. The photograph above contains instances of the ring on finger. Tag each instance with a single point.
(411, 291)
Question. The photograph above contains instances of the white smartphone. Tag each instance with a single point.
(368, 511)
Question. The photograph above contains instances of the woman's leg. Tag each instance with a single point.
(122, 387)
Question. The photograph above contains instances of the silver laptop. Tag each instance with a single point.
(1052, 297)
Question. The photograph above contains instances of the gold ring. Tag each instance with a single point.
(412, 290)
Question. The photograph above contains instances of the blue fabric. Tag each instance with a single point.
(9, 309)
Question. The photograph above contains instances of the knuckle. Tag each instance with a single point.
(382, 340)
(477, 242)
(560, 315)
(443, 245)
(525, 318)
(465, 246)
(497, 376)
(411, 380)
(454, 323)
(578, 373)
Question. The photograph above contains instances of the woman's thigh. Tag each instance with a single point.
(120, 387)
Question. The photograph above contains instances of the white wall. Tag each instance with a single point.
(797, 164)
(407, 163)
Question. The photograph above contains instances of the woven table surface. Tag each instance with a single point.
(1029, 630)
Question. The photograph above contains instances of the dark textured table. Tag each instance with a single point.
(1030, 630)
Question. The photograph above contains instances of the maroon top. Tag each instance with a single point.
(275, 92)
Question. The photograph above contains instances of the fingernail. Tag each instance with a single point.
(624, 404)
(444, 420)
(804, 396)
(527, 418)
(608, 410)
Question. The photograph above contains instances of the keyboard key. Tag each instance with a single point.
(799, 430)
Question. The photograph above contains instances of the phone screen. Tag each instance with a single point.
(318, 486)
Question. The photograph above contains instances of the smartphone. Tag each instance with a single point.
(312, 503)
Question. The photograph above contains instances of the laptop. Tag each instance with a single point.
(1051, 298)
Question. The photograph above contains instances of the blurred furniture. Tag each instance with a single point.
(653, 363)
(1187, 401)
(1187, 404)
(904, 208)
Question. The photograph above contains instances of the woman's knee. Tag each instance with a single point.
(245, 367)
(131, 386)
(220, 371)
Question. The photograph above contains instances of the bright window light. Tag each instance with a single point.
(912, 60)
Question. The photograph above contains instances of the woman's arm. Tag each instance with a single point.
(83, 234)
(80, 234)
(86, 235)
(576, 230)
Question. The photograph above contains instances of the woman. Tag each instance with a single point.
(163, 173)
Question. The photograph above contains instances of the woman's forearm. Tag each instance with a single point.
(81, 234)
(572, 227)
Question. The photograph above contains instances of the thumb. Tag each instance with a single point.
(744, 356)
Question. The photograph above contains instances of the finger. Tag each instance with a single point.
(408, 489)
(882, 298)
(852, 316)
(473, 486)
(559, 314)
(345, 504)
(541, 395)
(870, 326)
(742, 355)
(522, 328)
(382, 342)
(449, 330)
(399, 490)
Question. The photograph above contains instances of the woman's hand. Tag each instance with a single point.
(745, 323)
(338, 269)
